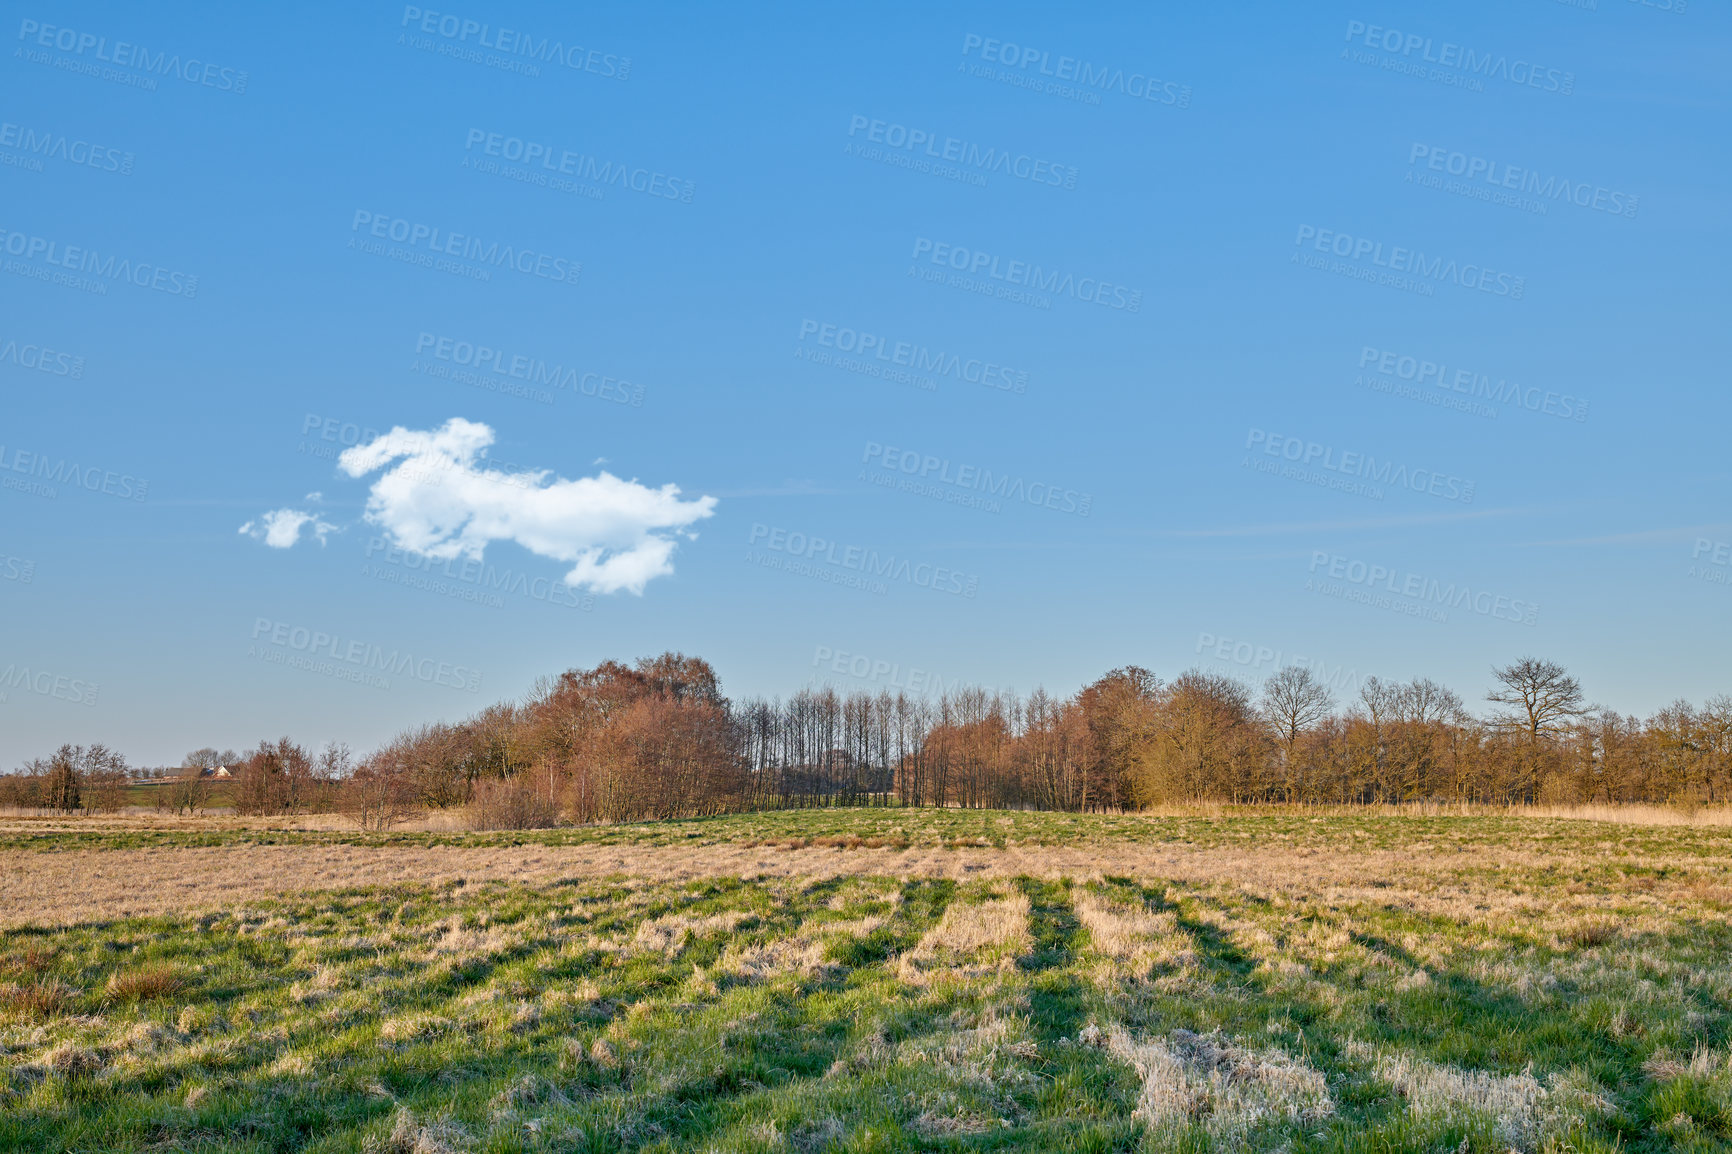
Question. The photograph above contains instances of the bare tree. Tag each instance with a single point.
(377, 795)
(188, 791)
(1118, 712)
(1540, 704)
(333, 766)
(104, 775)
(1539, 699)
(1423, 701)
(275, 779)
(1205, 742)
(1379, 698)
(1294, 700)
(60, 791)
(89, 777)
(334, 763)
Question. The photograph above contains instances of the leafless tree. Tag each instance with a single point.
(1539, 699)
(377, 795)
(1294, 701)
(1540, 704)
(188, 791)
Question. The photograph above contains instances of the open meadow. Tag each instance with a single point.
(870, 979)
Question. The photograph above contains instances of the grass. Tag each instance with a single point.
(851, 827)
(1206, 982)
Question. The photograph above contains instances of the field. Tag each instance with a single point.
(870, 979)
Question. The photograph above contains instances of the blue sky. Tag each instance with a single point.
(1005, 346)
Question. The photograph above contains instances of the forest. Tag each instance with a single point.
(658, 739)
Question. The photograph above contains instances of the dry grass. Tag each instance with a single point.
(970, 940)
(454, 821)
(1227, 1088)
(43, 998)
(1699, 816)
(668, 935)
(137, 818)
(1486, 879)
(411, 1137)
(1522, 1110)
(1134, 939)
(143, 984)
(71, 1060)
(414, 1027)
(33, 959)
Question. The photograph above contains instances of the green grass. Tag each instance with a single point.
(778, 1015)
(951, 828)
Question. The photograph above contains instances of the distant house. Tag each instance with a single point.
(221, 773)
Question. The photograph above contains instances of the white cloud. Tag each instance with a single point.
(437, 497)
(281, 528)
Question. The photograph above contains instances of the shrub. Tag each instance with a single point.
(38, 999)
(275, 779)
(144, 984)
(60, 788)
(514, 803)
(376, 795)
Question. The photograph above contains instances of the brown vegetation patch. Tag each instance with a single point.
(1226, 1087)
(144, 984)
(970, 940)
(38, 999)
(1473, 878)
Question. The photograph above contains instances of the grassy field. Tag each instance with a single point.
(865, 980)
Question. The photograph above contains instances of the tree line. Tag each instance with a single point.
(278, 777)
(657, 739)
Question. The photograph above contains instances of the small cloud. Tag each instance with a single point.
(281, 528)
(315, 497)
(438, 497)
